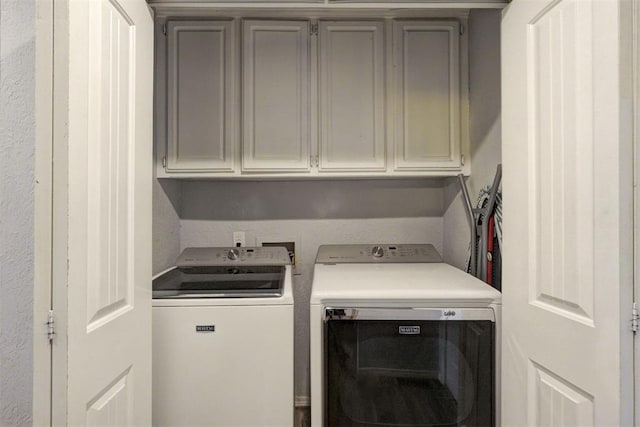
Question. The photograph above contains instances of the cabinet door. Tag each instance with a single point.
(352, 96)
(427, 93)
(275, 107)
(200, 96)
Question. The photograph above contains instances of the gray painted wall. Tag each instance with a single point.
(484, 130)
(17, 146)
(167, 206)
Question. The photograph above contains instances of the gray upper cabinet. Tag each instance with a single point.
(352, 96)
(247, 98)
(200, 97)
(427, 93)
(275, 101)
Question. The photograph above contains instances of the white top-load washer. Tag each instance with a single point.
(223, 339)
(399, 337)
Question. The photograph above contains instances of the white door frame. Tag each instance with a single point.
(50, 197)
(43, 212)
(636, 234)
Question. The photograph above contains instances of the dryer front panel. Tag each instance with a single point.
(384, 368)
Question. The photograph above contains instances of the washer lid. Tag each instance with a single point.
(220, 282)
(409, 284)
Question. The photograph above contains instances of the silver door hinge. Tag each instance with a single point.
(461, 29)
(315, 161)
(51, 326)
(313, 30)
(462, 159)
(635, 318)
(164, 162)
(164, 29)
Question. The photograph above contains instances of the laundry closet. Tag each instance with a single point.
(330, 122)
(313, 165)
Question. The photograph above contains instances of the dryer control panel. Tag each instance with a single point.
(377, 253)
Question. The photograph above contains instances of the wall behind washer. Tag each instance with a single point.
(167, 206)
(484, 130)
(17, 148)
(311, 213)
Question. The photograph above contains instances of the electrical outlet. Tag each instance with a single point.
(238, 239)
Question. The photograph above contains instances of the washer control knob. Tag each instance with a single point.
(233, 254)
(377, 251)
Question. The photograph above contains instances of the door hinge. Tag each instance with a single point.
(635, 318)
(164, 29)
(461, 29)
(462, 159)
(313, 29)
(164, 162)
(51, 326)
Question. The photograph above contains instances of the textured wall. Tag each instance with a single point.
(484, 129)
(17, 145)
(311, 213)
(167, 201)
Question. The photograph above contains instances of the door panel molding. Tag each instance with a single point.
(561, 146)
(554, 401)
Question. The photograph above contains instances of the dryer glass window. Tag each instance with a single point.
(410, 373)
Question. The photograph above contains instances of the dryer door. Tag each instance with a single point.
(403, 372)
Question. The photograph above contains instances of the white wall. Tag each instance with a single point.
(17, 146)
(484, 130)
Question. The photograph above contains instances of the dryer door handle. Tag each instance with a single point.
(444, 314)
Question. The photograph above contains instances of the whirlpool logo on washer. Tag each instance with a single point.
(409, 330)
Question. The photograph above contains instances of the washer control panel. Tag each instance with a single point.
(377, 253)
(218, 256)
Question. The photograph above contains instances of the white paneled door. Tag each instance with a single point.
(102, 196)
(568, 242)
